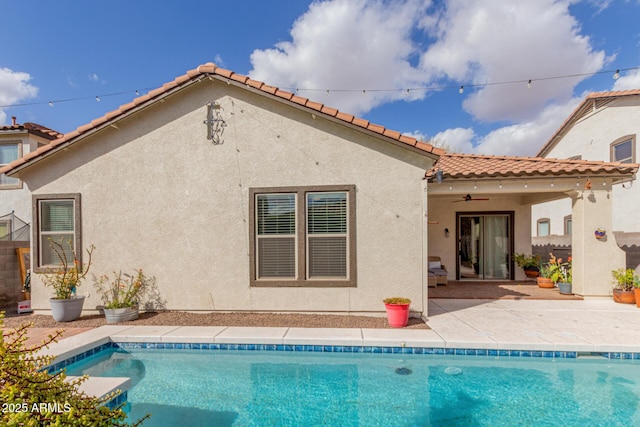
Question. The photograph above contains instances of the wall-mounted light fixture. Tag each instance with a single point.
(446, 232)
(439, 176)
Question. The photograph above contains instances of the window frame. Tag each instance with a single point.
(568, 219)
(9, 228)
(622, 140)
(301, 246)
(18, 184)
(36, 234)
(541, 221)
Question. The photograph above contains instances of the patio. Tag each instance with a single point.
(478, 289)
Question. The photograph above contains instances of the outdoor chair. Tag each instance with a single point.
(439, 270)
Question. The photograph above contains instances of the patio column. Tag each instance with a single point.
(593, 259)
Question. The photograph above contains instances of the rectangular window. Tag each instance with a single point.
(57, 219)
(5, 229)
(303, 236)
(568, 225)
(544, 227)
(8, 153)
(622, 150)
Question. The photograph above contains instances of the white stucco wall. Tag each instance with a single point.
(591, 138)
(157, 195)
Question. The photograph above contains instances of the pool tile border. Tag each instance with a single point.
(343, 349)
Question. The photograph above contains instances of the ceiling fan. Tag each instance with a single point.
(468, 198)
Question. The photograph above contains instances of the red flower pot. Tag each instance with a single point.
(398, 315)
(636, 292)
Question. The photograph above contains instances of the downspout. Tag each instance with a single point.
(425, 251)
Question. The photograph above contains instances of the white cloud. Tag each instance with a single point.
(629, 81)
(347, 44)
(14, 88)
(497, 41)
(96, 78)
(218, 60)
(522, 139)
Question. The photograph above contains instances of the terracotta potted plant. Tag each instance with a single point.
(544, 280)
(123, 294)
(636, 290)
(65, 280)
(528, 263)
(561, 272)
(623, 285)
(397, 311)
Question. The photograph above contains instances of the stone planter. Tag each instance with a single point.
(624, 297)
(118, 315)
(565, 288)
(66, 310)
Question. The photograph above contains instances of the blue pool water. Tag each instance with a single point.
(243, 388)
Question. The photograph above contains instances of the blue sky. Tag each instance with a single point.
(72, 50)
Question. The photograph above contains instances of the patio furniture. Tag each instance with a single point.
(439, 270)
(433, 280)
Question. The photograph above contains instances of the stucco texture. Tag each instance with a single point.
(157, 195)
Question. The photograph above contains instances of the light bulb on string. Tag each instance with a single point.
(461, 90)
(616, 75)
(97, 98)
(50, 103)
(529, 84)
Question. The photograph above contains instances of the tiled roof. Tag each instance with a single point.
(34, 128)
(465, 166)
(230, 77)
(580, 111)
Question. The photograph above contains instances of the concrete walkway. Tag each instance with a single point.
(581, 326)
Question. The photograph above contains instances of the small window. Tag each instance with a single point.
(303, 236)
(578, 157)
(9, 152)
(568, 223)
(544, 227)
(623, 149)
(5, 229)
(57, 219)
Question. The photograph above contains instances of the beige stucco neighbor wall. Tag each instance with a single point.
(157, 195)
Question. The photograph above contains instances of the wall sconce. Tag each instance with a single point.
(600, 233)
(446, 232)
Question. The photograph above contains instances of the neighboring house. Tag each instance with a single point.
(604, 127)
(238, 196)
(17, 140)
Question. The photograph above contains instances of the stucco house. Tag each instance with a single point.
(603, 127)
(238, 196)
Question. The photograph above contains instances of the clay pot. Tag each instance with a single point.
(624, 297)
(544, 282)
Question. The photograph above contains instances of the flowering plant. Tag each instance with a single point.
(66, 278)
(124, 290)
(625, 280)
(560, 272)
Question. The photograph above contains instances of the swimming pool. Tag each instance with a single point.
(222, 387)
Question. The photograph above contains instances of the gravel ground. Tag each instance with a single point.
(177, 318)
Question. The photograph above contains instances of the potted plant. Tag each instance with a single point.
(636, 290)
(122, 295)
(544, 280)
(65, 280)
(397, 311)
(561, 273)
(528, 263)
(623, 285)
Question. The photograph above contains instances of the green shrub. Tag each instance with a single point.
(30, 396)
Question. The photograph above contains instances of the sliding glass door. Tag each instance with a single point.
(485, 242)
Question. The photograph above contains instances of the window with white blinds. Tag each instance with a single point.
(56, 217)
(8, 153)
(303, 236)
(327, 235)
(276, 235)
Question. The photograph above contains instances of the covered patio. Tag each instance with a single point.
(479, 215)
(495, 290)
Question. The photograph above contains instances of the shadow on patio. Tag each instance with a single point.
(515, 289)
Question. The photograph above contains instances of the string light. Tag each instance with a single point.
(529, 82)
(50, 104)
(97, 98)
(500, 186)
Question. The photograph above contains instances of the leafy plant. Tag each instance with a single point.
(560, 272)
(525, 261)
(545, 271)
(125, 290)
(625, 280)
(397, 301)
(31, 396)
(66, 278)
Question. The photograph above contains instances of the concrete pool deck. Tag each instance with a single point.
(577, 326)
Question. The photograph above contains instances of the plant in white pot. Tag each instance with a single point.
(123, 294)
(65, 280)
